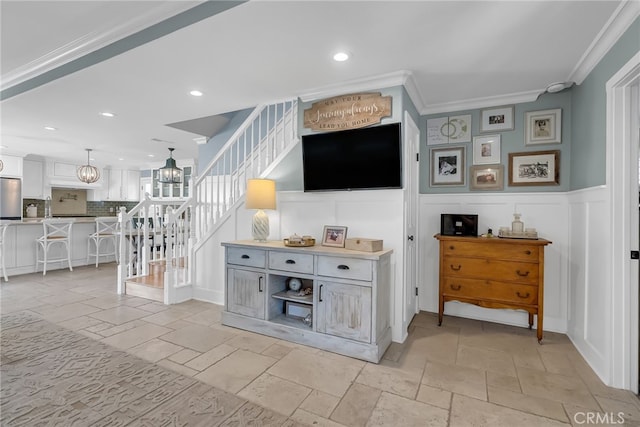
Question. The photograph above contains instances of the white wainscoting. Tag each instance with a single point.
(546, 212)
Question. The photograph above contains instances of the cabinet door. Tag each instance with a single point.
(245, 293)
(344, 310)
(133, 186)
(115, 185)
(32, 182)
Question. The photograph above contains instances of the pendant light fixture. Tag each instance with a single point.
(170, 173)
(88, 173)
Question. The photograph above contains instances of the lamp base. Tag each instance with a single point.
(260, 229)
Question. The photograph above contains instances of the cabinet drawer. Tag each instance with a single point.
(523, 272)
(490, 290)
(491, 250)
(246, 257)
(287, 261)
(347, 268)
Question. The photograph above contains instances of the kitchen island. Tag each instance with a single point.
(20, 245)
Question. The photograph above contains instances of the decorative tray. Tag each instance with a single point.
(511, 235)
(300, 242)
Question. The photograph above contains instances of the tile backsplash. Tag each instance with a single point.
(103, 208)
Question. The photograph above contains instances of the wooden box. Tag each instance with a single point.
(362, 244)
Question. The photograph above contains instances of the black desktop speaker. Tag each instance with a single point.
(458, 225)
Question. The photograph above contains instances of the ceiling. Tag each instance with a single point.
(64, 62)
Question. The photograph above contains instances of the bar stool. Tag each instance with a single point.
(56, 231)
(106, 230)
(3, 229)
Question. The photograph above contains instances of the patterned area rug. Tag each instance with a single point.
(53, 376)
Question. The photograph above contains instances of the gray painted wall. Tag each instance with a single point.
(588, 156)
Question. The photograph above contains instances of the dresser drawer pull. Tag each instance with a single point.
(456, 268)
(455, 287)
(452, 247)
(260, 279)
(320, 293)
(522, 296)
(343, 267)
(290, 261)
(521, 274)
(245, 256)
(527, 252)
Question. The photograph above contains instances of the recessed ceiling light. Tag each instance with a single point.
(50, 128)
(341, 56)
(200, 140)
(150, 155)
(196, 93)
(120, 158)
(107, 114)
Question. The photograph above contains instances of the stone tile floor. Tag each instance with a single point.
(466, 372)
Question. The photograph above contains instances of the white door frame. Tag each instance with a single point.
(620, 146)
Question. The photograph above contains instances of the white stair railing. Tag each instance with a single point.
(264, 138)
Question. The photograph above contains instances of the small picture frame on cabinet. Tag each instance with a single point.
(334, 235)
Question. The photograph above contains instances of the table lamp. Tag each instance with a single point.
(261, 194)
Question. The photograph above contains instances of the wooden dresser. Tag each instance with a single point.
(493, 273)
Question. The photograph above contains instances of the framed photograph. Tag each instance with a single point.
(449, 130)
(334, 235)
(496, 119)
(534, 168)
(447, 166)
(486, 149)
(543, 127)
(486, 177)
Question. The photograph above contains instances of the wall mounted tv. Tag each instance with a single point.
(357, 159)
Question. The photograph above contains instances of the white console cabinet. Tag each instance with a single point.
(349, 305)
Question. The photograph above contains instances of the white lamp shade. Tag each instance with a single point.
(261, 194)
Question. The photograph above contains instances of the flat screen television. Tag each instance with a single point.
(357, 159)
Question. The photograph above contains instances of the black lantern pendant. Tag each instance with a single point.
(170, 173)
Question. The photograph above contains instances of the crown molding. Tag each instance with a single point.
(477, 103)
(398, 78)
(93, 41)
(622, 18)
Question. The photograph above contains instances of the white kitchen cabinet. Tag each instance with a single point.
(124, 185)
(11, 166)
(33, 179)
(347, 311)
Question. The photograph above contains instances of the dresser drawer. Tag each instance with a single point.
(287, 261)
(347, 268)
(491, 250)
(490, 290)
(247, 257)
(491, 269)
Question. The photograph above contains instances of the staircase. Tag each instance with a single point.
(158, 238)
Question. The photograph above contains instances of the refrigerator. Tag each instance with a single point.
(10, 198)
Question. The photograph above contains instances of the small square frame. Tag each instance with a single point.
(334, 235)
(497, 119)
(534, 168)
(486, 177)
(543, 127)
(486, 149)
(447, 166)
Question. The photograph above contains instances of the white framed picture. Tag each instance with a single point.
(543, 127)
(486, 149)
(497, 119)
(447, 166)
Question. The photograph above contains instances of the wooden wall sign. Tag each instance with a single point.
(352, 111)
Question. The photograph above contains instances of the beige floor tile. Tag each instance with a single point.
(154, 350)
(503, 381)
(486, 359)
(234, 373)
(277, 351)
(434, 396)
(57, 314)
(397, 381)
(320, 403)
(207, 317)
(121, 314)
(105, 302)
(392, 410)
(82, 322)
(531, 404)
(433, 344)
(566, 389)
(557, 362)
(252, 342)
(458, 379)
(176, 367)
(165, 317)
(318, 371)
(184, 355)
(203, 361)
(310, 419)
(117, 329)
(527, 359)
(64, 298)
(197, 337)
(466, 411)
(622, 410)
(275, 393)
(356, 406)
(135, 336)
